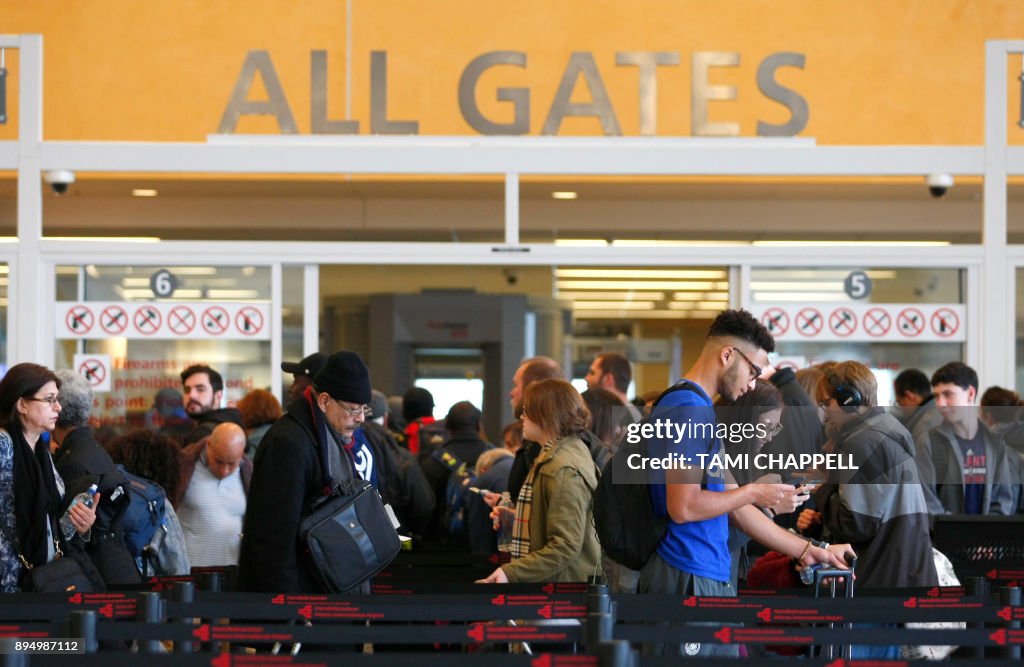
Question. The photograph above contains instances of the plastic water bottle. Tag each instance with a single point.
(66, 527)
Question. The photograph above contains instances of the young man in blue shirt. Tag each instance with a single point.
(693, 558)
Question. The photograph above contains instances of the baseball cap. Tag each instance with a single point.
(310, 366)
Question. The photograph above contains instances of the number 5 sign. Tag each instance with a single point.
(857, 285)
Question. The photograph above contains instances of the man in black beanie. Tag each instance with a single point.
(314, 436)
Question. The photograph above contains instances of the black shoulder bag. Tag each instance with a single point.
(60, 575)
(347, 533)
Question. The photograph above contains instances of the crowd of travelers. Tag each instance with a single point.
(205, 485)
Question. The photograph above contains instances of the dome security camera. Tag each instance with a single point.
(938, 184)
(59, 180)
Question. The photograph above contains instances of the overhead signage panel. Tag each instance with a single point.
(864, 322)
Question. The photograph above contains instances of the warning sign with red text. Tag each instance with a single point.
(167, 321)
(864, 322)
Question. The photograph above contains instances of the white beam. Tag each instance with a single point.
(528, 155)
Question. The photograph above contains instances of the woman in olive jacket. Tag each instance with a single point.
(554, 528)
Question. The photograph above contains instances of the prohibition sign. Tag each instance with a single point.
(94, 371)
(809, 322)
(79, 319)
(776, 321)
(181, 320)
(945, 322)
(114, 320)
(147, 320)
(842, 322)
(910, 322)
(877, 322)
(249, 321)
(216, 320)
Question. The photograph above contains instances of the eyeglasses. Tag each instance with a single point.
(775, 430)
(755, 370)
(52, 399)
(363, 410)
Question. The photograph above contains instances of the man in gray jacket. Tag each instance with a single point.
(963, 464)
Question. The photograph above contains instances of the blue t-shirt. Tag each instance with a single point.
(698, 547)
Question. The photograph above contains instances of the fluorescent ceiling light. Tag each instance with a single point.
(809, 297)
(794, 285)
(613, 296)
(649, 314)
(698, 305)
(700, 296)
(564, 194)
(623, 305)
(861, 244)
(4, 269)
(144, 192)
(702, 285)
(131, 293)
(135, 282)
(193, 270)
(820, 274)
(681, 274)
(645, 243)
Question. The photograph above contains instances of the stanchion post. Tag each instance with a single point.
(1010, 596)
(598, 600)
(183, 591)
(8, 658)
(82, 623)
(977, 586)
(150, 609)
(210, 582)
(615, 653)
(599, 628)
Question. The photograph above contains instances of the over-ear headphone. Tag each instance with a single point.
(846, 396)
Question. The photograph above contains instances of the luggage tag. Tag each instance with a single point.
(395, 523)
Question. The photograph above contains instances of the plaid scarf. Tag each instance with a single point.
(521, 528)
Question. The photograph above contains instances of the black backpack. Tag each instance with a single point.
(627, 526)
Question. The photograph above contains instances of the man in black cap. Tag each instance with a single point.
(304, 371)
(316, 431)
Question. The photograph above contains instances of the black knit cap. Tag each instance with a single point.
(416, 403)
(345, 377)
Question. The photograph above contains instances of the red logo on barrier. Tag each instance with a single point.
(202, 633)
(107, 610)
(549, 589)
(545, 612)
(999, 637)
(765, 614)
(911, 603)
(543, 661)
(222, 660)
(835, 663)
(75, 599)
(476, 631)
(277, 599)
(933, 592)
(306, 611)
(498, 599)
(690, 601)
(1005, 613)
(724, 635)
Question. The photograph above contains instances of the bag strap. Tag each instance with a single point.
(687, 385)
(13, 539)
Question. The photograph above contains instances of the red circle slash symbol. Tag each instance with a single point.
(79, 320)
(809, 322)
(249, 321)
(776, 321)
(910, 322)
(842, 322)
(181, 320)
(94, 371)
(148, 320)
(215, 320)
(945, 322)
(114, 320)
(877, 322)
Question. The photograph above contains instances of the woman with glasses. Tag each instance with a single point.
(554, 537)
(31, 490)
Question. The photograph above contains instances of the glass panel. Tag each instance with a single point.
(292, 282)
(791, 288)
(4, 278)
(141, 367)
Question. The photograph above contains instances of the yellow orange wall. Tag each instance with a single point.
(877, 71)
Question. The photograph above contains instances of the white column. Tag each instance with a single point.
(31, 337)
(996, 323)
(512, 209)
(310, 309)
